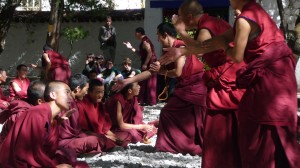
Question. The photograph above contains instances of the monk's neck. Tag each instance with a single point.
(55, 110)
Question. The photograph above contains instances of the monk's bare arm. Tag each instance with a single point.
(124, 125)
(243, 30)
(147, 47)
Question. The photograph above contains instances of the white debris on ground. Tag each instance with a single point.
(144, 155)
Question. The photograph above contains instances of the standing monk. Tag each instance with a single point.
(268, 109)
(33, 139)
(146, 51)
(55, 66)
(180, 127)
(220, 147)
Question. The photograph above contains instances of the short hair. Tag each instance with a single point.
(127, 61)
(47, 47)
(51, 87)
(20, 66)
(78, 80)
(108, 17)
(168, 28)
(140, 30)
(93, 83)
(191, 7)
(126, 88)
(35, 91)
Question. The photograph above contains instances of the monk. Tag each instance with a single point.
(127, 116)
(71, 135)
(55, 66)
(17, 107)
(147, 54)
(3, 99)
(33, 139)
(19, 85)
(179, 132)
(268, 110)
(93, 116)
(220, 133)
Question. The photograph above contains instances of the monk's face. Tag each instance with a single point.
(96, 94)
(81, 92)
(22, 72)
(3, 77)
(135, 89)
(63, 96)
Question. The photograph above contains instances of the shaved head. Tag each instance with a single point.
(191, 7)
(53, 86)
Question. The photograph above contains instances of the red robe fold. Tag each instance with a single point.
(2, 99)
(148, 87)
(132, 114)
(268, 110)
(23, 85)
(11, 114)
(72, 137)
(220, 135)
(60, 68)
(180, 128)
(93, 117)
(32, 141)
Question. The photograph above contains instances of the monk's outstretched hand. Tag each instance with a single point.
(119, 85)
(64, 166)
(128, 44)
(67, 114)
(170, 56)
(155, 66)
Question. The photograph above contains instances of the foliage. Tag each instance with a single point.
(74, 34)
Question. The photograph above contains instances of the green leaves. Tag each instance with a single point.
(73, 34)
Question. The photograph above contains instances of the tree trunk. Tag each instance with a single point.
(283, 25)
(55, 21)
(6, 17)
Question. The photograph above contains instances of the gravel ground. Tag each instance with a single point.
(144, 155)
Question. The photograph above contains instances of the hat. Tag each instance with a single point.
(99, 56)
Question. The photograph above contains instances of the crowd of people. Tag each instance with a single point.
(236, 114)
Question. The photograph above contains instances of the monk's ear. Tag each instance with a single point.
(40, 101)
(77, 89)
(129, 91)
(52, 95)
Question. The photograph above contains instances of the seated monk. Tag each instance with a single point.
(19, 85)
(71, 135)
(93, 117)
(33, 139)
(17, 107)
(127, 115)
(3, 99)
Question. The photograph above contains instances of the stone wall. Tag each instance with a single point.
(25, 41)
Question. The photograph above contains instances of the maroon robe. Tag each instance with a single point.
(59, 69)
(20, 94)
(132, 114)
(94, 118)
(10, 115)
(2, 99)
(148, 87)
(32, 141)
(180, 128)
(72, 137)
(220, 133)
(268, 110)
